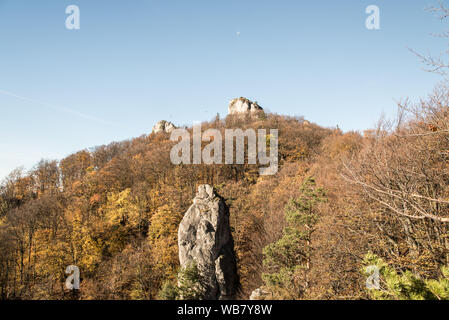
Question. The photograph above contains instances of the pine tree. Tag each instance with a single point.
(394, 285)
(188, 287)
(288, 260)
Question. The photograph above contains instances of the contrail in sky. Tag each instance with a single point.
(60, 109)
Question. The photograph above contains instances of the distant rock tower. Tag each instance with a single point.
(163, 126)
(242, 105)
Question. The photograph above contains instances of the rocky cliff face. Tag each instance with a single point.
(204, 239)
(163, 126)
(242, 106)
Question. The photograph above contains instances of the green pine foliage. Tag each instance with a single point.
(288, 259)
(397, 285)
(188, 287)
(169, 291)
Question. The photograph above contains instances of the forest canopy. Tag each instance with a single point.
(340, 199)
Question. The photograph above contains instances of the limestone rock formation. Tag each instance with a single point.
(242, 106)
(205, 239)
(258, 294)
(163, 126)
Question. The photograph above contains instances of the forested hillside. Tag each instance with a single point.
(341, 201)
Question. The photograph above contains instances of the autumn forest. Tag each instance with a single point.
(340, 202)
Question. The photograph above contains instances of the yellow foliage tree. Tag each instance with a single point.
(163, 239)
(86, 251)
(122, 210)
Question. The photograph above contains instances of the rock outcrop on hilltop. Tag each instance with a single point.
(163, 126)
(205, 240)
(242, 105)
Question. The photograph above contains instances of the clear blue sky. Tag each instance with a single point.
(135, 62)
